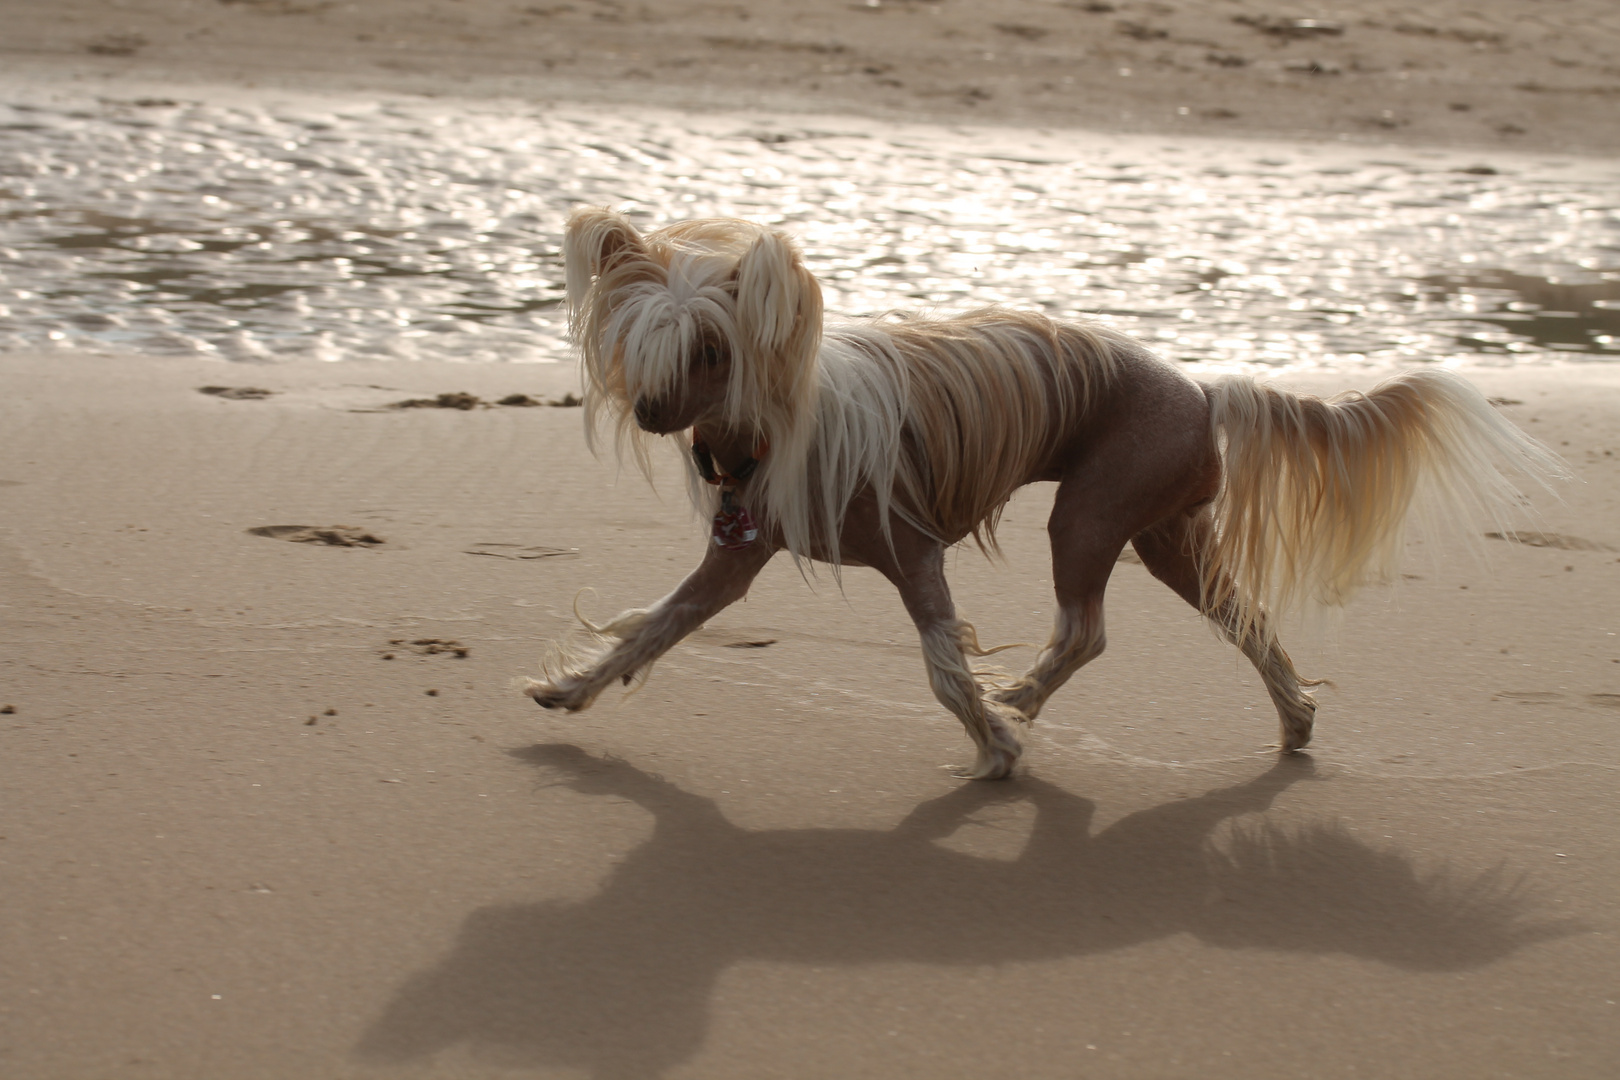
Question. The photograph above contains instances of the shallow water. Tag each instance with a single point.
(348, 228)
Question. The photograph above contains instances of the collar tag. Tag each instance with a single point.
(734, 527)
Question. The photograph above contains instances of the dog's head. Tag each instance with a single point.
(714, 321)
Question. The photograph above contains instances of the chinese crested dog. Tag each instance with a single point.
(883, 442)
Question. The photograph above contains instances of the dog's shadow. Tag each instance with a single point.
(619, 984)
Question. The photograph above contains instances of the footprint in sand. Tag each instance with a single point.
(330, 535)
(1550, 540)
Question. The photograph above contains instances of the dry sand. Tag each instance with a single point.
(262, 817)
(240, 840)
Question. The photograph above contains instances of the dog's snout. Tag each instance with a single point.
(647, 414)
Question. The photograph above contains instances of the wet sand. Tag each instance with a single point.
(1488, 73)
(273, 810)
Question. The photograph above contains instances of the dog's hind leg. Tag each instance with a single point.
(1077, 639)
(1170, 550)
(1147, 454)
(1084, 547)
(722, 578)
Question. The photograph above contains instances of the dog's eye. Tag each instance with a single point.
(711, 354)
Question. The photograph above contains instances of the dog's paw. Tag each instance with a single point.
(1298, 721)
(1000, 754)
(569, 695)
(993, 763)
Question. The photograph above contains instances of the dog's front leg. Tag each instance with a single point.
(722, 578)
(919, 574)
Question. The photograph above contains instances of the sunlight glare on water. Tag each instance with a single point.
(339, 228)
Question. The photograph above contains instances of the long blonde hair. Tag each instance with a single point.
(1317, 493)
(942, 418)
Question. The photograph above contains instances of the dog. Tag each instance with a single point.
(883, 442)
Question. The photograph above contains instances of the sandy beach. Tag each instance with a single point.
(274, 809)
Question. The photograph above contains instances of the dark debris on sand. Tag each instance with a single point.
(466, 402)
(520, 551)
(236, 393)
(432, 646)
(459, 400)
(330, 535)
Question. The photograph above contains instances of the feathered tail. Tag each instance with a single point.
(1317, 493)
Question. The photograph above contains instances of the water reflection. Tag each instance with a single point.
(1522, 310)
(340, 228)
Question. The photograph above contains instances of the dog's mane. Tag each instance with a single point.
(943, 418)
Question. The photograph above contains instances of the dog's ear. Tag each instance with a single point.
(778, 299)
(596, 242)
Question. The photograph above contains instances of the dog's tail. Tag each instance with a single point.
(1317, 493)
